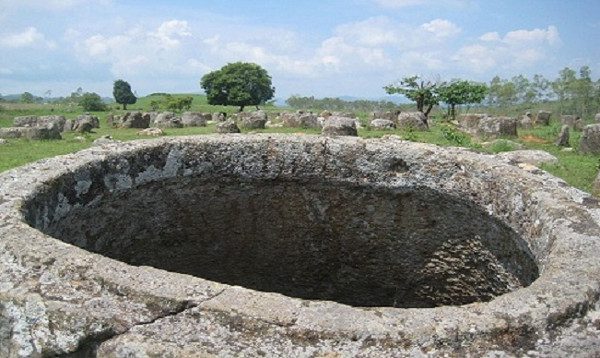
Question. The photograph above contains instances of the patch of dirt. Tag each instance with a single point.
(533, 139)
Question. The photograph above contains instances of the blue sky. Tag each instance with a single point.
(320, 48)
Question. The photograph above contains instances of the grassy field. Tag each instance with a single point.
(576, 169)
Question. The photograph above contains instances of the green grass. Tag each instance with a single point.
(576, 169)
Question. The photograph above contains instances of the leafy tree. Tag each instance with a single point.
(178, 103)
(238, 84)
(92, 102)
(27, 97)
(122, 93)
(415, 89)
(459, 92)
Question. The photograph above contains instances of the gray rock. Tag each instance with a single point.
(526, 122)
(470, 122)
(253, 120)
(339, 126)
(84, 272)
(300, 119)
(151, 115)
(86, 123)
(151, 132)
(130, 120)
(25, 121)
(343, 114)
(68, 126)
(590, 139)
(105, 140)
(34, 133)
(494, 127)
(3, 141)
(219, 117)
(573, 121)
(532, 157)
(195, 119)
(380, 123)
(389, 115)
(167, 120)
(325, 114)
(228, 126)
(543, 118)
(597, 117)
(53, 122)
(563, 137)
(413, 120)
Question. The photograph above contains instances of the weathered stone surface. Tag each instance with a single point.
(25, 121)
(300, 119)
(34, 133)
(104, 140)
(53, 122)
(328, 220)
(573, 121)
(597, 117)
(563, 137)
(229, 126)
(3, 141)
(389, 115)
(525, 122)
(325, 114)
(339, 126)
(167, 120)
(590, 139)
(343, 114)
(130, 120)
(380, 123)
(195, 119)
(68, 126)
(151, 132)
(533, 157)
(470, 122)
(494, 127)
(253, 120)
(86, 123)
(413, 120)
(219, 117)
(151, 115)
(543, 118)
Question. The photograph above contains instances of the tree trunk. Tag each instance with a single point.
(124, 106)
(258, 109)
(452, 112)
(241, 108)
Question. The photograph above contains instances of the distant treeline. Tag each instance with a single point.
(574, 92)
(337, 104)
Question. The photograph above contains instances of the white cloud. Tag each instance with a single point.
(490, 36)
(54, 5)
(375, 31)
(441, 28)
(29, 37)
(515, 50)
(399, 3)
(527, 37)
(169, 33)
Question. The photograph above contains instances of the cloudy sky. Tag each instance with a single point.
(312, 47)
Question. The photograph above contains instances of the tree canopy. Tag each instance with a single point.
(238, 84)
(92, 102)
(458, 92)
(418, 90)
(122, 93)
